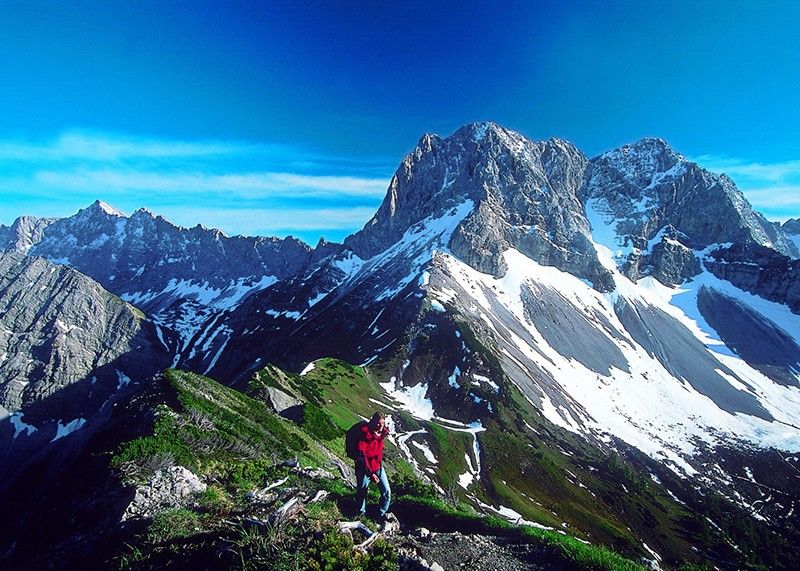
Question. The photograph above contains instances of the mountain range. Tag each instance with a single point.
(631, 306)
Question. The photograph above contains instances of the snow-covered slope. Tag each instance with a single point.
(640, 364)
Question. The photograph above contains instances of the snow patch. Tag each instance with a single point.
(412, 399)
(426, 451)
(452, 379)
(486, 380)
(20, 425)
(437, 307)
(64, 429)
(123, 380)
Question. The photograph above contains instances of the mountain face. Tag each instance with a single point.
(792, 229)
(62, 332)
(524, 194)
(22, 234)
(178, 276)
(657, 207)
(68, 350)
(514, 291)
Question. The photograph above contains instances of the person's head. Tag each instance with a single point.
(377, 422)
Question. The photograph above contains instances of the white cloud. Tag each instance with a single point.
(239, 187)
(774, 172)
(103, 147)
(250, 185)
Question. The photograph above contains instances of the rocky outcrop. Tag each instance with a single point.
(643, 188)
(172, 487)
(759, 270)
(669, 259)
(524, 196)
(23, 233)
(63, 336)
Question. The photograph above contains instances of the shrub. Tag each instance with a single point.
(318, 424)
(172, 524)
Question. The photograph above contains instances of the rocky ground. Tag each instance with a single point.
(456, 551)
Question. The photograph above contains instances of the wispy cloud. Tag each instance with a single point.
(240, 187)
(250, 185)
(772, 188)
(96, 147)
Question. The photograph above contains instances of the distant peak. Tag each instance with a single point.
(144, 212)
(650, 145)
(99, 205)
(479, 130)
(647, 149)
(792, 226)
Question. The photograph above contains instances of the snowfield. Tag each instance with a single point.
(638, 397)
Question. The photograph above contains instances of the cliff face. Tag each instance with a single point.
(66, 344)
(523, 195)
(759, 270)
(660, 206)
(23, 233)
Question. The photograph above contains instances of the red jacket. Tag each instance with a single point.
(371, 446)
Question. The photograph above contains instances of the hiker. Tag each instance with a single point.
(368, 460)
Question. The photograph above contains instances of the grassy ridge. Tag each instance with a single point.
(236, 441)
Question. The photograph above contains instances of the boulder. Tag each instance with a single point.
(171, 487)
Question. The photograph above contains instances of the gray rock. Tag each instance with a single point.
(524, 195)
(280, 401)
(422, 532)
(791, 226)
(673, 263)
(23, 233)
(646, 188)
(64, 336)
(316, 473)
(168, 488)
(759, 270)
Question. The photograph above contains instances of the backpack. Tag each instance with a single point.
(351, 439)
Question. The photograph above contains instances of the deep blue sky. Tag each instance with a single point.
(263, 117)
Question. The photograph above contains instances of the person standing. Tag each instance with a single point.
(369, 463)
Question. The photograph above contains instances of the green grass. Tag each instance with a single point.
(166, 442)
(318, 423)
(449, 447)
(238, 442)
(217, 430)
(344, 391)
(173, 524)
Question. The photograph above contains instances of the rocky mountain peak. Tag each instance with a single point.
(639, 165)
(642, 188)
(144, 213)
(98, 207)
(23, 233)
(523, 194)
(791, 226)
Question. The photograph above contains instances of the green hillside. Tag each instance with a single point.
(238, 445)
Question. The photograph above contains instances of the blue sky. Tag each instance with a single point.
(290, 117)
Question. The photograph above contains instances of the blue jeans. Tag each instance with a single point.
(363, 480)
